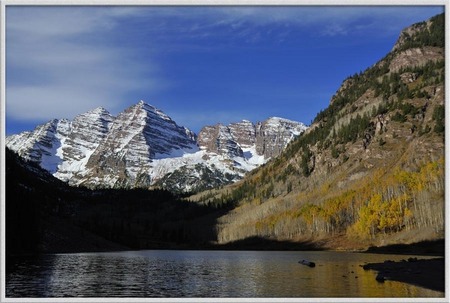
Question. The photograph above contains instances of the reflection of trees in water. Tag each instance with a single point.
(175, 273)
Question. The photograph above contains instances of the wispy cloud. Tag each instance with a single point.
(256, 24)
(335, 30)
(61, 62)
(329, 20)
(72, 59)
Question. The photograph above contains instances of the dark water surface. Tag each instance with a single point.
(203, 274)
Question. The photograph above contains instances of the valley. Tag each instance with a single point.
(368, 171)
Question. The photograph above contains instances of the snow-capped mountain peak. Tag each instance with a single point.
(143, 147)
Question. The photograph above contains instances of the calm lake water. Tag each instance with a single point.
(203, 274)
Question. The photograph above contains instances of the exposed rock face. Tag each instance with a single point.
(138, 135)
(42, 144)
(407, 55)
(98, 150)
(415, 57)
(268, 138)
(220, 140)
(244, 132)
(274, 134)
(407, 34)
(143, 147)
(83, 136)
(408, 77)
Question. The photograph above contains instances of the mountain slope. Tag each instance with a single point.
(38, 209)
(137, 136)
(45, 215)
(227, 153)
(143, 147)
(369, 170)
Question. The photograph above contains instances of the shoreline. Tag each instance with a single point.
(423, 248)
(426, 273)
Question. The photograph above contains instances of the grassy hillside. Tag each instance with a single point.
(369, 171)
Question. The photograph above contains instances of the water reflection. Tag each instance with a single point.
(203, 274)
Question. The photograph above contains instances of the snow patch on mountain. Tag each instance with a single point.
(144, 147)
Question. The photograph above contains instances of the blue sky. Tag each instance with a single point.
(201, 65)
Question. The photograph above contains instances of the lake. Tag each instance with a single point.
(203, 274)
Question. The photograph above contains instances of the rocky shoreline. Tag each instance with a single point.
(427, 273)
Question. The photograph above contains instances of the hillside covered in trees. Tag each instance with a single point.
(44, 214)
(369, 170)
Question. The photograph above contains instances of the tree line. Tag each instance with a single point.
(36, 203)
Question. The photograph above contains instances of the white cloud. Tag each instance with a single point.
(60, 62)
(46, 102)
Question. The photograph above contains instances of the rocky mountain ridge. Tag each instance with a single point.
(143, 147)
(268, 138)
